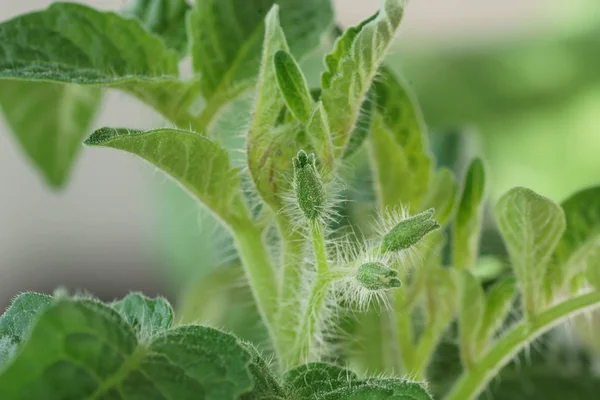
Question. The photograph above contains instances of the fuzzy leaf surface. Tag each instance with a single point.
(198, 164)
(83, 349)
(18, 320)
(145, 315)
(165, 18)
(321, 381)
(531, 226)
(292, 85)
(469, 217)
(358, 64)
(270, 147)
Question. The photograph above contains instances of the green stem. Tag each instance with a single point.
(474, 380)
(315, 307)
(290, 283)
(427, 343)
(404, 329)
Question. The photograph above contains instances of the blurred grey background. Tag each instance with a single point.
(101, 232)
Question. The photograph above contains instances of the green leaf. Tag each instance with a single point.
(358, 64)
(82, 349)
(17, 321)
(227, 36)
(403, 149)
(63, 114)
(319, 135)
(498, 304)
(266, 385)
(199, 165)
(321, 381)
(363, 125)
(442, 195)
(96, 48)
(531, 226)
(581, 238)
(293, 86)
(165, 18)
(469, 216)
(470, 314)
(146, 316)
(270, 147)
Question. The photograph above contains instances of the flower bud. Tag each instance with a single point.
(376, 276)
(308, 186)
(409, 232)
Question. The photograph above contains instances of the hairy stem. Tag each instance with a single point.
(474, 380)
(313, 313)
(292, 246)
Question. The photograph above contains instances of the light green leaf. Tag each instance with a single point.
(270, 147)
(442, 195)
(165, 18)
(321, 381)
(581, 238)
(227, 36)
(469, 217)
(319, 135)
(146, 316)
(499, 302)
(357, 66)
(83, 350)
(470, 313)
(199, 165)
(292, 85)
(17, 321)
(96, 48)
(62, 115)
(531, 226)
(363, 125)
(405, 148)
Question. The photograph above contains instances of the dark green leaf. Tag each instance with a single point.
(198, 164)
(320, 381)
(531, 226)
(49, 121)
(166, 18)
(293, 86)
(469, 217)
(83, 349)
(146, 316)
(17, 321)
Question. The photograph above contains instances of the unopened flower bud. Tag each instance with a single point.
(308, 186)
(409, 232)
(376, 276)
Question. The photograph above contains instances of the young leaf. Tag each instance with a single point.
(270, 147)
(319, 135)
(266, 385)
(82, 349)
(581, 237)
(321, 381)
(531, 226)
(498, 304)
(292, 85)
(146, 316)
(357, 67)
(198, 164)
(400, 158)
(165, 18)
(63, 114)
(442, 195)
(467, 226)
(17, 321)
(363, 125)
(227, 35)
(470, 315)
